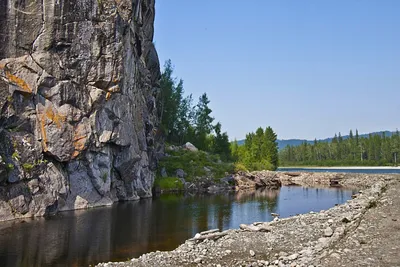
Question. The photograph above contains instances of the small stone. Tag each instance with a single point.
(330, 221)
(346, 219)
(282, 254)
(197, 235)
(252, 253)
(328, 232)
(293, 257)
(197, 260)
(228, 251)
(335, 255)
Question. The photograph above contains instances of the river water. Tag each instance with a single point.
(126, 230)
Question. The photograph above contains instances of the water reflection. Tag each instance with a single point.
(130, 229)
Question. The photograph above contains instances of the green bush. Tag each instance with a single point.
(168, 183)
(240, 167)
(193, 163)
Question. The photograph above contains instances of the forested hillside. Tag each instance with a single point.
(373, 149)
(259, 151)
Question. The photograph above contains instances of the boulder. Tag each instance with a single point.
(163, 172)
(189, 146)
(180, 173)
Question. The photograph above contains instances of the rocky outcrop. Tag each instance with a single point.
(78, 88)
(257, 179)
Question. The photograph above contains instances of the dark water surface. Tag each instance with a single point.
(126, 230)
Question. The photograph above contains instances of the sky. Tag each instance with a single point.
(309, 69)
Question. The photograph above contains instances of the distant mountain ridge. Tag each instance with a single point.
(282, 143)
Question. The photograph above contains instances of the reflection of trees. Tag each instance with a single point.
(267, 198)
(126, 229)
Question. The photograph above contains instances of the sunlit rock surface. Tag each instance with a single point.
(78, 89)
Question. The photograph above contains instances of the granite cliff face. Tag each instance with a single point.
(78, 88)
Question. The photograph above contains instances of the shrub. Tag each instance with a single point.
(168, 183)
(27, 166)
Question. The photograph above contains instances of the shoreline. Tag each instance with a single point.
(301, 240)
(346, 168)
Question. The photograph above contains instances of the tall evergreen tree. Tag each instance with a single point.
(203, 121)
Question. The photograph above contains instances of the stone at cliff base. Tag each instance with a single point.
(164, 172)
(79, 83)
(180, 173)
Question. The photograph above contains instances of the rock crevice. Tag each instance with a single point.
(78, 87)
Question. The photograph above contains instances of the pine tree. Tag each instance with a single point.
(203, 121)
(271, 147)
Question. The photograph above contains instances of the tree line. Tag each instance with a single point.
(373, 150)
(259, 152)
(183, 121)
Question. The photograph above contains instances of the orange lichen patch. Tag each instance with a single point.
(79, 139)
(18, 81)
(42, 119)
(114, 89)
(53, 116)
(108, 95)
(57, 118)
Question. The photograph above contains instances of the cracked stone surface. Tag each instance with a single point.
(78, 87)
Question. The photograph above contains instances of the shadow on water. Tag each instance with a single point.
(126, 230)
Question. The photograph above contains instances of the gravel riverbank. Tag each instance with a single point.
(314, 239)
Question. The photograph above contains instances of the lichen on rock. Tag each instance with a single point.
(78, 84)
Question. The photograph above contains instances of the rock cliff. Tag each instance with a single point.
(78, 89)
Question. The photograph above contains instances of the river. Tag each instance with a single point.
(126, 230)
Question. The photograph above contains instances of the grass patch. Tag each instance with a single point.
(168, 183)
(15, 156)
(28, 167)
(193, 163)
(10, 167)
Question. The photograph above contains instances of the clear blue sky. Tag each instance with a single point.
(306, 68)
